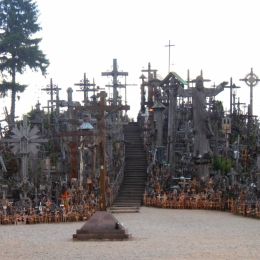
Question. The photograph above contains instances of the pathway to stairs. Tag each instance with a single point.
(131, 192)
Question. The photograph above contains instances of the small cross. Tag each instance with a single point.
(169, 46)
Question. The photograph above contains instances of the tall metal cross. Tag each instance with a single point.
(85, 87)
(169, 46)
(115, 74)
(251, 80)
(52, 89)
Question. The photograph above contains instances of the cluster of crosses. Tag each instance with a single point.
(72, 142)
(186, 127)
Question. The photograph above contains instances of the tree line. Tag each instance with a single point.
(19, 48)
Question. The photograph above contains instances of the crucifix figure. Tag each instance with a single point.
(201, 124)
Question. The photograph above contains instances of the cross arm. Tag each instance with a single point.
(106, 74)
(214, 92)
(13, 140)
(40, 140)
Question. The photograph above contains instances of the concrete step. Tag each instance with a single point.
(130, 194)
(135, 167)
(129, 199)
(134, 175)
(126, 204)
(124, 210)
(133, 183)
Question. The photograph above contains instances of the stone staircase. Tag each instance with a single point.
(131, 192)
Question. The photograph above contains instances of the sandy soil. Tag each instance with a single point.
(156, 234)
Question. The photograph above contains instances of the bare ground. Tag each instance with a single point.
(156, 234)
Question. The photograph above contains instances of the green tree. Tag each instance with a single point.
(18, 49)
(222, 164)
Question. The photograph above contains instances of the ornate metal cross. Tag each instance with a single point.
(251, 80)
(25, 141)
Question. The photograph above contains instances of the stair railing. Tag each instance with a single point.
(117, 182)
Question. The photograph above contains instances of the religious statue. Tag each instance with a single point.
(201, 123)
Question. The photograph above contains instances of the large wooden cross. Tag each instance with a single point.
(100, 110)
(115, 74)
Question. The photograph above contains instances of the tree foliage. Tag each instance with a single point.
(222, 164)
(18, 49)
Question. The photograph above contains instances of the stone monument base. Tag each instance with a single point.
(101, 226)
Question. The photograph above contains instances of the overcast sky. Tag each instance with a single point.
(221, 37)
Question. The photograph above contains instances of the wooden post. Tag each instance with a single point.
(102, 147)
(172, 124)
(158, 117)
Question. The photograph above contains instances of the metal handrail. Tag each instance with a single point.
(117, 182)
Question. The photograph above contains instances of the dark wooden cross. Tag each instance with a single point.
(142, 77)
(99, 110)
(51, 89)
(151, 76)
(151, 72)
(115, 84)
(231, 87)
